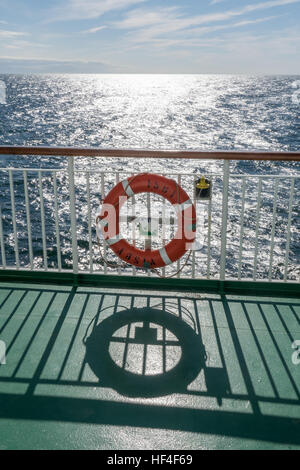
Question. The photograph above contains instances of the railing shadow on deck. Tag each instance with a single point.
(64, 360)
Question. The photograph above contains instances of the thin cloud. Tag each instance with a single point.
(93, 30)
(237, 52)
(270, 4)
(20, 44)
(239, 24)
(198, 41)
(89, 9)
(11, 34)
(172, 19)
(140, 18)
(147, 25)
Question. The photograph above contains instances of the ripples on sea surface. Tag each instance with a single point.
(190, 112)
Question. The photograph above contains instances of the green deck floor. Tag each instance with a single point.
(241, 392)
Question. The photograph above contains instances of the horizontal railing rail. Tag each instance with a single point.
(249, 226)
(135, 153)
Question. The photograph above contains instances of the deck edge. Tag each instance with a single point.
(280, 289)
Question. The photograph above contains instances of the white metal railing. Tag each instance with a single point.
(249, 228)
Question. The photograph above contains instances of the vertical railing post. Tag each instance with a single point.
(73, 213)
(14, 220)
(226, 172)
(288, 232)
(2, 241)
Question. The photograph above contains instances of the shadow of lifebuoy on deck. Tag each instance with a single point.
(132, 383)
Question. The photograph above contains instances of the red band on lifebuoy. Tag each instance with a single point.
(170, 190)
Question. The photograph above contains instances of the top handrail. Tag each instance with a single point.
(135, 153)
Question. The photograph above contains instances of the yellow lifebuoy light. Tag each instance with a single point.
(203, 188)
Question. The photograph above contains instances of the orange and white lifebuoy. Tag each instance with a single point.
(165, 187)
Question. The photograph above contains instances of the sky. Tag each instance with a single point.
(150, 36)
